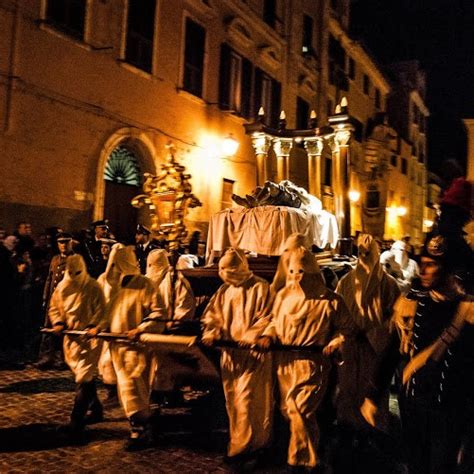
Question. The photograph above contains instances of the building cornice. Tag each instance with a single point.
(418, 100)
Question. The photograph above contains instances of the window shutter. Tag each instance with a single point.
(258, 92)
(276, 102)
(246, 88)
(224, 72)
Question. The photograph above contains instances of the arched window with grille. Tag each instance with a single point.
(122, 167)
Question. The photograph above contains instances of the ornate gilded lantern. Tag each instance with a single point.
(168, 195)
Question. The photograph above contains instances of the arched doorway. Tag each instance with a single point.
(122, 182)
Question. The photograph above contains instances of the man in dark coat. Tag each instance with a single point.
(91, 248)
(51, 347)
(144, 245)
(435, 329)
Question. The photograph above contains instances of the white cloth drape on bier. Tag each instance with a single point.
(265, 229)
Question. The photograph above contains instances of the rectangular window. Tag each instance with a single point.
(404, 166)
(394, 161)
(328, 172)
(330, 107)
(372, 199)
(302, 114)
(307, 47)
(358, 130)
(352, 69)
(269, 12)
(267, 93)
(68, 16)
(337, 53)
(422, 123)
(227, 191)
(377, 98)
(244, 88)
(140, 32)
(195, 43)
(366, 84)
(235, 81)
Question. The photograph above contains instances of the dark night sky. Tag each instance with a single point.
(440, 34)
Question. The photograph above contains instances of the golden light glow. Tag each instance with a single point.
(395, 211)
(401, 211)
(229, 146)
(354, 195)
(428, 223)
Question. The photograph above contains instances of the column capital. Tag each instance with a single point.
(342, 137)
(261, 143)
(282, 146)
(314, 146)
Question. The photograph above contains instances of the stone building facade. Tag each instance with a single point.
(91, 91)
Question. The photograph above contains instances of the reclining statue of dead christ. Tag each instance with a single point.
(285, 193)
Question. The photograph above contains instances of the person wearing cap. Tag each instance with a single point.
(237, 312)
(144, 245)
(433, 325)
(91, 248)
(105, 248)
(78, 304)
(50, 353)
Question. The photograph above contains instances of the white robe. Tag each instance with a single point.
(304, 318)
(397, 264)
(236, 313)
(135, 305)
(109, 281)
(79, 305)
(182, 308)
(370, 294)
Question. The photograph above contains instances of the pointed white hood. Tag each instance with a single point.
(234, 267)
(157, 265)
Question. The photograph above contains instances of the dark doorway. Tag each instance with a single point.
(122, 183)
(122, 216)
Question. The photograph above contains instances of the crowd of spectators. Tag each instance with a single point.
(25, 258)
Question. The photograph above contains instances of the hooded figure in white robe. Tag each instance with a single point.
(180, 306)
(370, 294)
(307, 314)
(236, 313)
(135, 308)
(78, 303)
(407, 269)
(110, 284)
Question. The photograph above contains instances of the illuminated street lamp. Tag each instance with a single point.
(229, 146)
(354, 195)
(401, 211)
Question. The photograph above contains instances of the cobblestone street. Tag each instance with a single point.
(34, 403)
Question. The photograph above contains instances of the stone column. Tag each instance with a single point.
(282, 148)
(261, 144)
(314, 148)
(340, 174)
